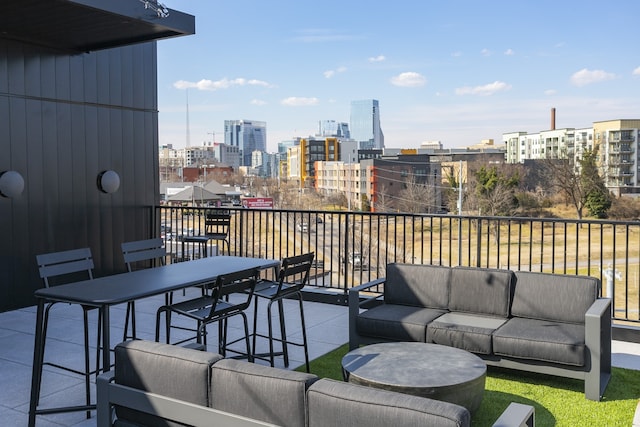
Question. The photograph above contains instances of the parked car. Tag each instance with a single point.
(354, 259)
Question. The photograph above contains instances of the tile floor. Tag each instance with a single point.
(327, 328)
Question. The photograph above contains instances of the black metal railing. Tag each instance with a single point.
(354, 247)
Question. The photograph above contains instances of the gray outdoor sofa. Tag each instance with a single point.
(157, 384)
(539, 322)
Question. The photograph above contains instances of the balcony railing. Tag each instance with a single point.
(354, 247)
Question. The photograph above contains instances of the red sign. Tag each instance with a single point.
(257, 202)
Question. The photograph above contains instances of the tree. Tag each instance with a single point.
(364, 203)
(383, 202)
(417, 197)
(597, 197)
(496, 191)
(580, 184)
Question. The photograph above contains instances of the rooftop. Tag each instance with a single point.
(327, 329)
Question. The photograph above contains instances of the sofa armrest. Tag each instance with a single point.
(103, 406)
(355, 305)
(110, 393)
(598, 341)
(517, 415)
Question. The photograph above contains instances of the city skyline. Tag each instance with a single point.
(457, 72)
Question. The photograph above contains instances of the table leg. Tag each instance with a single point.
(106, 339)
(36, 375)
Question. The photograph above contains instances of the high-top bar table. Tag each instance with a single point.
(107, 291)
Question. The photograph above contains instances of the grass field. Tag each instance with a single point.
(557, 401)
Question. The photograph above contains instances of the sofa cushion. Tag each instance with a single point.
(396, 322)
(263, 393)
(169, 370)
(481, 290)
(555, 297)
(334, 403)
(417, 285)
(541, 340)
(470, 332)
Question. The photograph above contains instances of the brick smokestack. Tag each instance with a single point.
(553, 119)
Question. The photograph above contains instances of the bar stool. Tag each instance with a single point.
(76, 264)
(292, 277)
(154, 253)
(214, 308)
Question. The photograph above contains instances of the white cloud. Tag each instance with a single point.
(294, 101)
(330, 73)
(258, 102)
(379, 58)
(225, 83)
(485, 90)
(585, 77)
(509, 52)
(550, 92)
(636, 72)
(485, 52)
(456, 54)
(409, 79)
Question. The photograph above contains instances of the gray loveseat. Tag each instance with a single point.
(154, 383)
(547, 323)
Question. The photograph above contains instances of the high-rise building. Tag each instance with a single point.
(365, 124)
(247, 135)
(333, 128)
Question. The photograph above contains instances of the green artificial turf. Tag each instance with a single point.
(557, 401)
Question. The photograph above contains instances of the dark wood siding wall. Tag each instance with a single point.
(63, 120)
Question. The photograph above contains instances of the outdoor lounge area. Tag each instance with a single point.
(327, 329)
(81, 174)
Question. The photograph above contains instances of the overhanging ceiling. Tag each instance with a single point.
(86, 25)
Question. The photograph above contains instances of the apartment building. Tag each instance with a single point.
(617, 142)
(351, 179)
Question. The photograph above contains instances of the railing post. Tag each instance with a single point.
(460, 240)
(478, 242)
(239, 230)
(346, 251)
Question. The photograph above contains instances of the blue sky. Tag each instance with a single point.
(457, 71)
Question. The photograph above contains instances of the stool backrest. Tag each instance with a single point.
(144, 250)
(241, 283)
(64, 265)
(216, 223)
(294, 273)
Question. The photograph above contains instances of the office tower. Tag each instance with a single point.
(333, 128)
(247, 135)
(365, 124)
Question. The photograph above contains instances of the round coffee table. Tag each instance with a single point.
(428, 370)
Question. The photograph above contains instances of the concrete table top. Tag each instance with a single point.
(428, 370)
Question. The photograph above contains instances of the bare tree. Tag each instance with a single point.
(579, 182)
(417, 197)
(383, 202)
